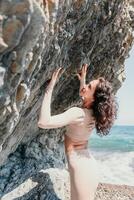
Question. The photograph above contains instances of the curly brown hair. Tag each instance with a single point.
(104, 107)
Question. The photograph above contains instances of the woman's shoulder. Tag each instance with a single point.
(77, 109)
(80, 109)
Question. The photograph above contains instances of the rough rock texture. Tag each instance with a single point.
(35, 38)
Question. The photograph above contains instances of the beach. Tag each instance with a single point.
(115, 156)
(107, 191)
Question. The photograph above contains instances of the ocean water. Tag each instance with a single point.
(115, 155)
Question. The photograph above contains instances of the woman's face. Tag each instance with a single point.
(87, 92)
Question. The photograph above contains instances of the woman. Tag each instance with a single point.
(98, 111)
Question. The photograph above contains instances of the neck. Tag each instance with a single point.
(87, 103)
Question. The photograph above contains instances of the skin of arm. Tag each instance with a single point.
(46, 121)
(82, 83)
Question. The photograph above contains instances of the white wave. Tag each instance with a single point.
(116, 167)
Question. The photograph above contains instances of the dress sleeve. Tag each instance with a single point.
(46, 121)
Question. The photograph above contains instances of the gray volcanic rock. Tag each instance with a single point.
(35, 38)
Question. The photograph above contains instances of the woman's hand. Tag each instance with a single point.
(82, 73)
(82, 76)
(55, 77)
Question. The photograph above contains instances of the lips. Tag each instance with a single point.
(82, 93)
(82, 97)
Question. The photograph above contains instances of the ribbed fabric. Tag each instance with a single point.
(81, 131)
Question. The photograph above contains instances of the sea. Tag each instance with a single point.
(115, 155)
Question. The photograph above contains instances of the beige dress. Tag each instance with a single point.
(82, 166)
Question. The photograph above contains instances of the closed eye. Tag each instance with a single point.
(89, 85)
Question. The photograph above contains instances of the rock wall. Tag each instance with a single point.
(35, 38)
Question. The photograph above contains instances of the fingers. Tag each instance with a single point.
(82, 72)
(79, 77)
(84, 67)
(57, 72)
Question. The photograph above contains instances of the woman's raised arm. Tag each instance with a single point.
(72, 115)
(46, 121)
